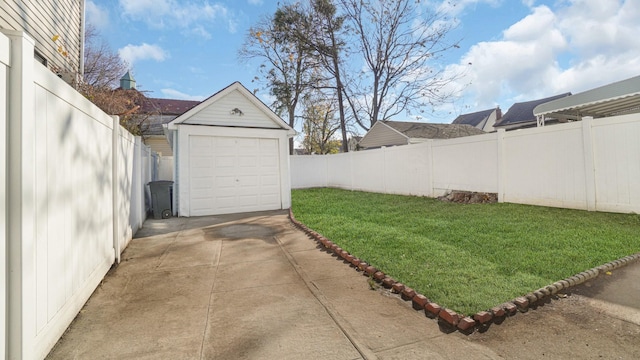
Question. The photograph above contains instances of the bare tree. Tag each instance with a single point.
(319, 29)
(102, 71)
(320, 124)
(103, 67)
(399, 43)
(286, 66)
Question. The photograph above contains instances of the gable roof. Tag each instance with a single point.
(166, 106)
(615, 98)
(522, 113)
(432, 131)
(236, 86)
(474, 119)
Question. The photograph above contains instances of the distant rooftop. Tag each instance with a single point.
(523, 112)
(167, 106)
(474, 119)
(433, 131)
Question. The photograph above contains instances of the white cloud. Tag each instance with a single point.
(256, 2)
(133, 53)
(175, 94)
(574, 46)
(96, 15)
(195, 16)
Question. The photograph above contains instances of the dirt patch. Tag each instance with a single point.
(567, 328)
(469, 197)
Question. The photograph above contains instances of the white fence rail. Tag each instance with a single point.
(590, 165)
(75, 189)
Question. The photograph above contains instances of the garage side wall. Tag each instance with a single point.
(194, 152)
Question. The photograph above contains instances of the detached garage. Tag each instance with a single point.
(232, 155)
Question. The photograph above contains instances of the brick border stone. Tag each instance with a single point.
(465, 324)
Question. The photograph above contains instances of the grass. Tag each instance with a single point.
(467, 257)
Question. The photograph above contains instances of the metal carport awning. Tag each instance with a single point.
(617, 98)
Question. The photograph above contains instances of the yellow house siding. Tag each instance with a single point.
(42, 19)
(159, 144)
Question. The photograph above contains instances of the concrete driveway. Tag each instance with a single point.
(251, 286)
(246, 286)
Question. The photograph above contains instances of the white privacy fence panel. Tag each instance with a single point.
(590, 165)
(126, 203)
(616, 144)
(71, 186)
(406, 170)
(73, 204)
(339, 172)
(4, 64)
(546, 166)
(165, 168)
(311, 171)
(368, 171)
(468, 163)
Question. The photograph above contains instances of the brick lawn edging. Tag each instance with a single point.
(448, 317)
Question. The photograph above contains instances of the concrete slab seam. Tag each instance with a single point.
(342, 324)
(448, 317)
(211, 294)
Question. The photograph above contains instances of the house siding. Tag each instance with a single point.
(382, 135)
(220, 113)
(42, 19)
(490, 121)
(159, 144)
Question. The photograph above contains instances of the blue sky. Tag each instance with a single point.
(519, 50)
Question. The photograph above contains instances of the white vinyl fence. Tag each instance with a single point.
(4, 96)
(593, 165)
(74, 193)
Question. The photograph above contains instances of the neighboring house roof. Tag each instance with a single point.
(432, 131)
(163, 111)
(476, 119)
(616, 98)
(235, 97)
(389, 133)
(521, 114)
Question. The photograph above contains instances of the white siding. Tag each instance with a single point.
(42, 19)
(220, 113)
(382, 135)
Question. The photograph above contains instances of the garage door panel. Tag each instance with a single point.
(269, 180)
(201, 183)
(201, 162)
(248, 161)
(233, 175)
(200, 143)
(226, 181)
(248, 200)
(225, 161)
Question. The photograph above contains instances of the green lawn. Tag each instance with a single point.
(467, 257)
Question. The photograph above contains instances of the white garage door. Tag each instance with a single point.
(233, 174)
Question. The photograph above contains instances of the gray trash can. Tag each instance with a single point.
(161, 192)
